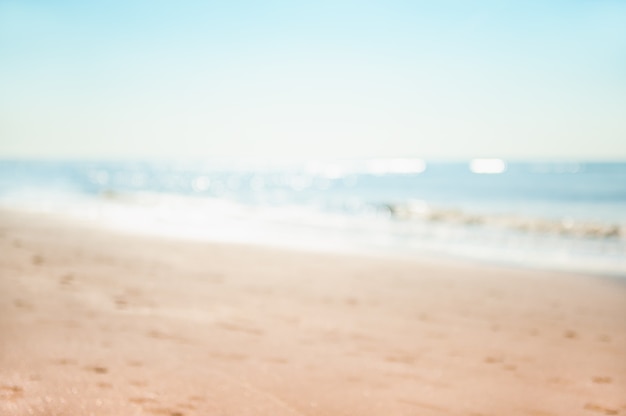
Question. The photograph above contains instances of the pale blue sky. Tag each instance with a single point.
(433, 79)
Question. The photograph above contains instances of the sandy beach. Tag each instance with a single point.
(95, 322)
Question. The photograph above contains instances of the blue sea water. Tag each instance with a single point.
(557, 215)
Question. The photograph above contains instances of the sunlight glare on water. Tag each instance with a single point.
(487, 166)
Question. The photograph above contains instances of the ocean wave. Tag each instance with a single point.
(566, 226)
(418, 211)
(409, 227)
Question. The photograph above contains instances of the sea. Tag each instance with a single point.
(556, 215)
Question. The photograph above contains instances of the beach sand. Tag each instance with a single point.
(94, 322)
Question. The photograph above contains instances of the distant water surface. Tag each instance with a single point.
(558, 215)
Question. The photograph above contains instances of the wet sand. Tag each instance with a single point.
(94, 322)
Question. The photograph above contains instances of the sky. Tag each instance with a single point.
(323, 79)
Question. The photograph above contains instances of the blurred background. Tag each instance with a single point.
(493, 130)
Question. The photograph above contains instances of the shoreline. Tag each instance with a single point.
(315, 245)
(95, 321)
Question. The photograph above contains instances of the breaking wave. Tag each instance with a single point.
(566, 226)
